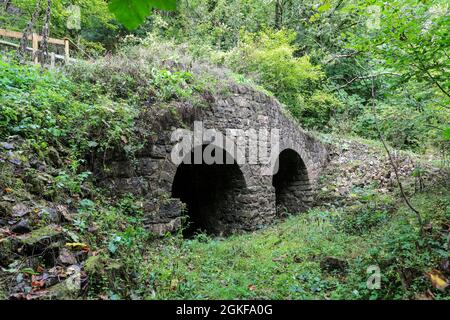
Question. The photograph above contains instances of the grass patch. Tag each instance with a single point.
(283, 261)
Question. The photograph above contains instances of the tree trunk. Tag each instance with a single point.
(22, 50)
(278, 14)
(7, 4)
(45, 34)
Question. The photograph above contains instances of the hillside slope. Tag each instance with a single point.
(57, 227)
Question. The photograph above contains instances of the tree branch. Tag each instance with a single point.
(340, 56)
(46, 33)
(366, 77)
(424, 69)
(391, 160)
(21, 51)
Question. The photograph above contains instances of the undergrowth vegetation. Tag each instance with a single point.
(58, 120)
(269, 58)
(283, 261)
(58, 125)
(44, 108)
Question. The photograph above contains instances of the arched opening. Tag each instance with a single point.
(292, 187)
(209, 192)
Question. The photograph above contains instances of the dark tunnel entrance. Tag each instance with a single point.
(291, 183)
(209, 192)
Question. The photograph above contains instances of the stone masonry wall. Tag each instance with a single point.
(253, 205)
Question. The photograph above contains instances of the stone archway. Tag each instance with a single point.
(210, 193)
(249, 201)
(291, 183)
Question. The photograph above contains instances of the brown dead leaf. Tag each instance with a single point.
(251, 287)
(77, 246)
(280, 258)
(174, 284)
(35, 283)
(38, 284)
(4, 232)
(64, 212)
(424, 296)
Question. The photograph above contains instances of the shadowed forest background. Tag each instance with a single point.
(369, 78)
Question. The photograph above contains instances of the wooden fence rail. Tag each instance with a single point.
(35, 39)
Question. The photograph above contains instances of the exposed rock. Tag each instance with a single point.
(64, 290)
(444, 265)
(356, 166)
(5, 208)
(6, 256)
(50, 214)
(7, 146)
(64, 212)
(66, 257)
(39, 240)
(163, 213)
(39, 182)
(50, 280)
(19, 210)
(22, 227)
(54, 157)
(171, 209)
(160, 229)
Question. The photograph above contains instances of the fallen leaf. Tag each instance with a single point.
(438, 280)
(423, 296)
(6, 232)
(77, 246)
(251, 287)
(37, 283)
(8, 190)
(174, 284)
(28, 271)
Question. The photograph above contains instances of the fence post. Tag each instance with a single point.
(66, 50)
(52, 59)
(35, 47)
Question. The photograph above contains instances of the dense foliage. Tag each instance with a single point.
(341, 68)
(309, 54)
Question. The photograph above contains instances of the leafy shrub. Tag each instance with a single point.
(401, 255)
(270, 58)
(46, 108)
(172, 84)
(361, 220)
(406, 127)
(145, 72)
(318, 109)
